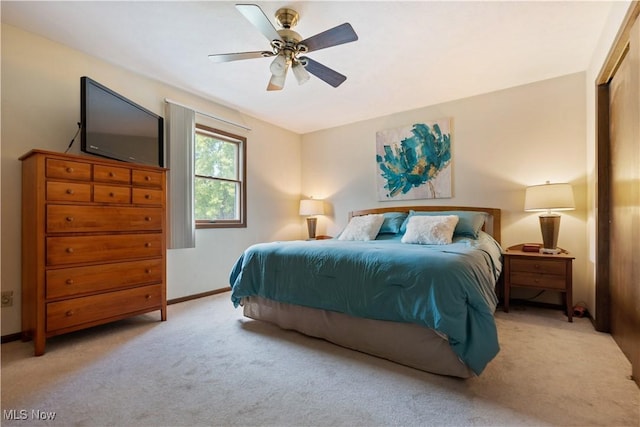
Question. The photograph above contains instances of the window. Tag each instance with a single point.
(220, 179)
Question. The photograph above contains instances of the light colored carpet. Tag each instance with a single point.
(207, 365)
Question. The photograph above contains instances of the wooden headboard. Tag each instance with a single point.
(491, 226)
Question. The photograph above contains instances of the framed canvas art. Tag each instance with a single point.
(414, 162)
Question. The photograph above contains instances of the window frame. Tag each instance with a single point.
(242, 179)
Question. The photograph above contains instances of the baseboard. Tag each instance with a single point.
(15, 337)
(10, 337)
(540, 304)
(196, 296)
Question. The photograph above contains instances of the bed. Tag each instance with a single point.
(415, 285)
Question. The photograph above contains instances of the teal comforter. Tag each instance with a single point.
(449, 288)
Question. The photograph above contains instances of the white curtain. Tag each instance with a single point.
(180, 142)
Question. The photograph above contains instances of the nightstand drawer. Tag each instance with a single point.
(537, 280)
(539, 266)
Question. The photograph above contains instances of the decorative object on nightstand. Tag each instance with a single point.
(538, 271)
(549, 197)
(308, 208)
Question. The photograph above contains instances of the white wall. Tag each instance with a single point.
(40, 109)
(501, 143)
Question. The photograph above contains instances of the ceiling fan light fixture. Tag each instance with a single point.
(302, 75)
(279, 66)
(276, 82)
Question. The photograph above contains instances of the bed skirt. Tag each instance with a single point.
(405, 343)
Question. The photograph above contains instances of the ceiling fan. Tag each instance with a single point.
(287, 46)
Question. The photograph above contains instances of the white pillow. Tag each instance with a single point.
(364, 227)
(430, 230)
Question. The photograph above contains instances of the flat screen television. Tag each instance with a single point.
(115, 127)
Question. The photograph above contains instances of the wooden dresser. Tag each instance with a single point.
(93, 243)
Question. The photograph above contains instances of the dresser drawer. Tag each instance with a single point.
(67, 169)
(147, 196)
(88, 249)
(539, 266)
(111, 174)
(103, 307)
(111, 194)
(145, 178)
(66, 218)
(68, 192)
(66, 282)
(538, 280)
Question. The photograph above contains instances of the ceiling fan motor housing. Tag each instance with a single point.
(287, 18)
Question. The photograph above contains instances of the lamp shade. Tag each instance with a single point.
(311, 207)
(549, 197)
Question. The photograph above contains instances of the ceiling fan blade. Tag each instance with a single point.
(332, 37)
(322, 72)
(228, 57)
(256, 16)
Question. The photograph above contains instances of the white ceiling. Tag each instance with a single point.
(409, 54)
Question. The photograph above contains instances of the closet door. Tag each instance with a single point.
(624, 202)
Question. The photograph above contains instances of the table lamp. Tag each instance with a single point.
(549, 197)
(308, 208)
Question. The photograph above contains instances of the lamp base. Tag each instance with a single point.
(549, 225)
(311, 227)
(555, 251)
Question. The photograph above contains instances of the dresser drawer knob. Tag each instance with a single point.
(147, 196)
(69, 250)
(111, 174)
(147, 270)
(69, 219)
(112, 194)
(69, 313)
(69, 282)
(147, 245)
(69, 170)
(147, 218)
(147, 297)
(70, 191)
(147, 178)
(536, 266)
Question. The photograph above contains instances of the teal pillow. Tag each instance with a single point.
(469, 222)
(392, 222)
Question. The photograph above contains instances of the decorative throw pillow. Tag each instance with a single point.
(392, 222)
(430, 230)
(364, 227)
(469, 222)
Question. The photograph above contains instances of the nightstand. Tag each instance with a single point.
(538, 271)
(321, 237)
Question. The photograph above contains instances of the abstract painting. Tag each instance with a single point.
(414, 162)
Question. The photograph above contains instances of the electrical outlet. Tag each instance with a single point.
(7, 298)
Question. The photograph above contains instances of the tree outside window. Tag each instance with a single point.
(219, 182)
